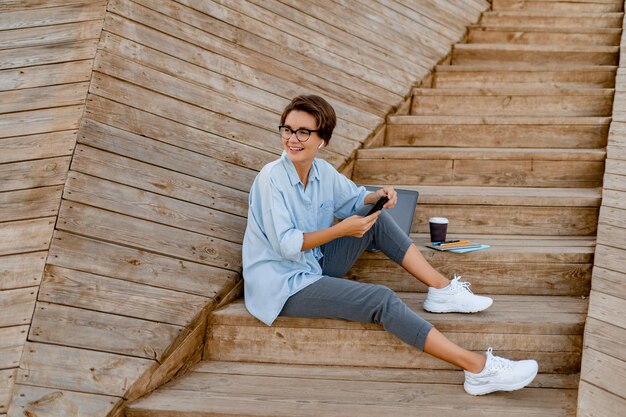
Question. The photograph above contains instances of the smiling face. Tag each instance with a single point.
(301, 153)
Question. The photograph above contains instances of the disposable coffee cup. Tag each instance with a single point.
(438, 229)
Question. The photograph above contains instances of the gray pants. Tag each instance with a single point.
(338, 298)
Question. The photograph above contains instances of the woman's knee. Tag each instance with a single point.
(386, 300)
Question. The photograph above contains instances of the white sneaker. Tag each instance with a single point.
(455, 298)
(500, 374)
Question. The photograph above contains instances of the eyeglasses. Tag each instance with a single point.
(301, 134)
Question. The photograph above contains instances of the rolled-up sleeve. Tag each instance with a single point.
(285, 238)
(349, 197)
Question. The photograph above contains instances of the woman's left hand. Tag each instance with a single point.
(391, 195)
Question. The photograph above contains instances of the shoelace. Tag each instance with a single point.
(497, 363)
(460, 286)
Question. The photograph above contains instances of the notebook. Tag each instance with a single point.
(402, 213)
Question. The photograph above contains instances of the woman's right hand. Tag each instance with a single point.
(357, 226)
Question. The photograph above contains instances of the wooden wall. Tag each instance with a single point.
(47, 50)
(602, 391)
(182, 112)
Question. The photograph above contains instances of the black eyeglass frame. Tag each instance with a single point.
(309, 131)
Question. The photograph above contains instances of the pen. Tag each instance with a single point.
(446, 242)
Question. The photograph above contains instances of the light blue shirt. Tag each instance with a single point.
(281, 211)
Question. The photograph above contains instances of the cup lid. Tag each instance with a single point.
(441, 220)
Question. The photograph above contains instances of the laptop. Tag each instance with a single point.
(402, 213)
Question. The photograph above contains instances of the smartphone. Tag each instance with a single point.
(379, 205)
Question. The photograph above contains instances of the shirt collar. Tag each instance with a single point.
(293, 175)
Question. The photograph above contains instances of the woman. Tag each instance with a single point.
(294, 257)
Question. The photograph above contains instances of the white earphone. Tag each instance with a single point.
(321, 144)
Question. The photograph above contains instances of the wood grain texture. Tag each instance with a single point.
(54, 402)
(21, 270)
(98, 293)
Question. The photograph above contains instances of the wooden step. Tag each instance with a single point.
(512, 102)
(547, 328)
(509, 210)
(559, 6)
(538, 55)
(515, 265)
(567, 76)
(508, 167)
(539, 35)
(556, 19)
(217, 388)
(522, 132)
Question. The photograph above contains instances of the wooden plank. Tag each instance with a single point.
(364, 348)
(610, 257)
(511, 220)
(40, 121)
(30, 174)
(613, 183)
(508, 315)
(16, 306)
(46, 35)
(605, 337)
(141, 234)
(109, 295)
(595, 402)
(51, 402)
(164, 155)
(26, 235)
(357, 374)
(52, 15)
(48, 54)
(41, 146)
(23, 270)
(7, 376)
(31, 203)
(39, 76)
(611, 235)
(611, 197)
(613, 216)
(486, 277)
(133, 265)
(159, 180)
(6, 388)
(76, 327)
(605, 280)
(604, 371)
(12, 341)
(607, 308)
(616, 167)
(177, 403)
(332, 391)
(79, 370)
(357, 402)
(43, 97)
(101, 111)
(247, 57)
(14, 5)
(148, 206)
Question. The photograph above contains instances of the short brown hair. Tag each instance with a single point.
(317, 107)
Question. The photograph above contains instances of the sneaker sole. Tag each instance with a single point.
(488, 389)
(433, 309)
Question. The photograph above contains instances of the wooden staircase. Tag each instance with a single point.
(509, 145)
